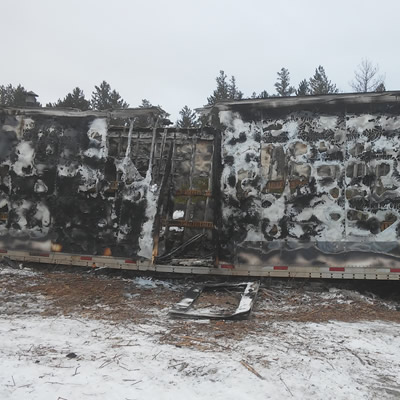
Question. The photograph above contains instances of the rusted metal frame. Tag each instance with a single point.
(194, 192)
(153, 142)
(161, 203)
(167, 257)
(162, 148)
(188, 224)
(189, 200)
(119, 143)
(168, 208)
(137, 148)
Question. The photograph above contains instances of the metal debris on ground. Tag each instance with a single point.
(185, 308)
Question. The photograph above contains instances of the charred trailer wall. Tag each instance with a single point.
(59, 186)
(311, 181)
(94, 183)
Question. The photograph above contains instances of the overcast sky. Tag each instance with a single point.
(170, 51)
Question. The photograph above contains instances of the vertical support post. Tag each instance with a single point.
(216, 191)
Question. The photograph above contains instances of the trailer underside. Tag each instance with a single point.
(281, 271)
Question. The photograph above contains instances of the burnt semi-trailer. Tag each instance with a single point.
(311, 181)
(297, 186)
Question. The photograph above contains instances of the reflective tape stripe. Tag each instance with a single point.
(39, 254)
(336, 269)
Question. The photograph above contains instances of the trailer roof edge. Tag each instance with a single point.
(299, 101)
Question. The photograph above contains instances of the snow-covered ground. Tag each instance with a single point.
(136, 351)
(333, 360)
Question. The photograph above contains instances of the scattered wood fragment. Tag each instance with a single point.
(286, 386)
(135, 381)
(355, 355)
(155, 355)
(251, 369)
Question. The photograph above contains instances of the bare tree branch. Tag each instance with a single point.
(367, 77)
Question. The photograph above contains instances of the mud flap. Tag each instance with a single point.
(184, 309)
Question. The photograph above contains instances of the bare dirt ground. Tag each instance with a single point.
(120, 296)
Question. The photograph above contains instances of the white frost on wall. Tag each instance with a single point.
(40, 187)
(89, 177)
(374, 134)
(146, 237)
(26, 155)
(97, 134)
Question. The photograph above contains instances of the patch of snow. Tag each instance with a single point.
(178, 214)
(330, 361)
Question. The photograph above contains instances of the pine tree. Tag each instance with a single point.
(282, 85)
(303, 89)
(11, 96)
(320, 84)
(6, 95)
(225, 90)
(367, 78)
(145, 104)
(263, 95)
(188, 118)
(222, 90)
(76, 99)
(103, 98)
(233, 92)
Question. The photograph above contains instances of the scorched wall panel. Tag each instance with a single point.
(310, 187)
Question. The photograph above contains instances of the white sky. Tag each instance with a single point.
(171, 51)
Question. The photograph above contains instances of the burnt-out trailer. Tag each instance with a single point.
(289, 187)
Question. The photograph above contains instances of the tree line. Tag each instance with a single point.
(366, 79)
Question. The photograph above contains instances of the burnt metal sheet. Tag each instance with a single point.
(184, 308)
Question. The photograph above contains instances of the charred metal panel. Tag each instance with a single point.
(58, 187)
(310, 186)
(77, 183)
